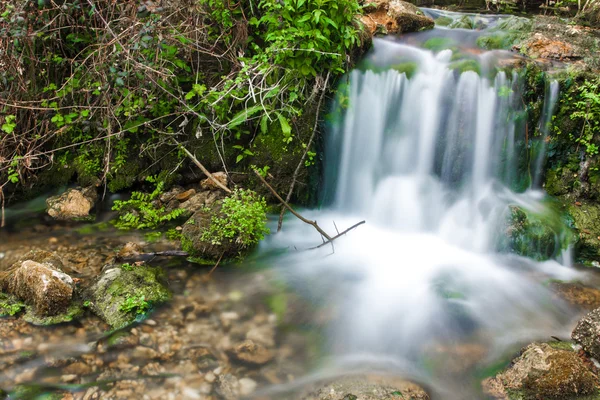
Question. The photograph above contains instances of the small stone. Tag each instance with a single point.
(264, 335)
(252, 353)
(68, 378)
(144, 353)
(210, 377)
(130, 250)
(247, 386)
(185, 195)
(228, 387)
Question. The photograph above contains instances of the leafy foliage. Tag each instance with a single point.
(242, 219)
(141, 210)
(97, 91)
(135, 303)
(587, 111)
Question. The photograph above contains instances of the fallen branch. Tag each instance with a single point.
(306, 150)
(338, 235)
(286, 205)
(204, 170)
(149, 256)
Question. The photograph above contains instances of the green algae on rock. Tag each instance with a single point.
(121, 295)
(543, 372)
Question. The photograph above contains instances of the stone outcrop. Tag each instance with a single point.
(587, 333)
(73, 204)
(543, 372)
(394, 16)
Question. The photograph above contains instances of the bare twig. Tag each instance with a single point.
(306, 150)
(203, 168)
(339, 234)
(216, 265)
(149, 256)
(286, 205)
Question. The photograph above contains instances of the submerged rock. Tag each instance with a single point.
(252, 353)
(543, 372)
(539, 236)
(38, 281)
(587, 333)
(394, 16)
(586, 220)
(367, 388)
(73, 204)
(123, 293)
(578, 295)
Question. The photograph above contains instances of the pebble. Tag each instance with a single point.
(247, 386)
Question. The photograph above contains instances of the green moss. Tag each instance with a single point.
(408, 68)
(9, 305)
(540, 236)
(443, 21)
(113, 295)
(586, 220)
(74, 311)
(439, 43)
(466, 65)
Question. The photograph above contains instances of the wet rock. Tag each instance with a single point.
(586, 220)
(38, 281)
(209, 184)
(587, 333)
(394, 16)
(185, 195)
(247, 386)
(130, 250)
(578, 295)
(367, 388)
(205, 251)
(540, 46)
(228, 387)
(122, 294)
(540, 236)
(73, 204)
(171, 194)
(543, 372)
(252, 353)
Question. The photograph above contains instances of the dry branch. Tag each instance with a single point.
(203, 168)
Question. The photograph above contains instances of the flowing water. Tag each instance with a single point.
(429, 144)
(432, 158)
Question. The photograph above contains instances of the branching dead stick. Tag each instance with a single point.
(204, 170)
(286, 205)
(306, 150)
(338, 235)
(148, 256)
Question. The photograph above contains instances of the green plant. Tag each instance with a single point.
(587, 111)
(141, 210)
(136, 303)
(242, 218)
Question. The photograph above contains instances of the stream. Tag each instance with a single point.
(427, 144)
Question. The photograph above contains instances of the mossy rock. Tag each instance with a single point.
(73, 312)
(543, 372)
(540, 236)
(123, 294)
(586, 221)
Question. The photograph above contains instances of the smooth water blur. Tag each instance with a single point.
(432, 159)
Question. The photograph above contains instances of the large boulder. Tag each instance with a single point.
(38, 281)
(125, 293)
(394, 16)
(543, 372)
(540, 46)
(587, 333)
(73, 204)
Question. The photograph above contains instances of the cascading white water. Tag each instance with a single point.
(428, 162)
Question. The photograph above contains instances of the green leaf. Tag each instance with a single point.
(243, 115)
(264, 124)
(285, 126)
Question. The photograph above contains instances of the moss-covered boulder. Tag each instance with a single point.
(125, 293)
(37, 280)
(543, 372)
(586, 221)
(587, 333)
(541, 236)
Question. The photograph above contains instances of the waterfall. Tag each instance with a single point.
(431, 159)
